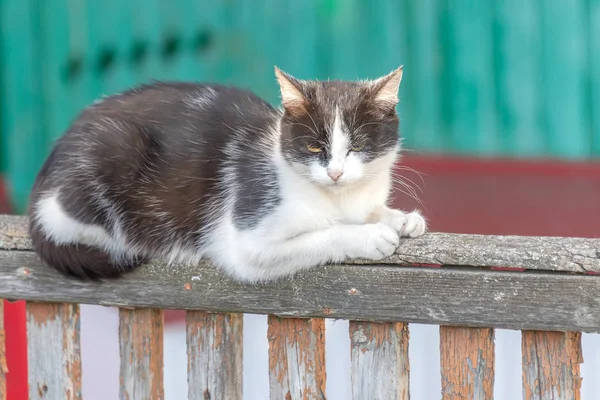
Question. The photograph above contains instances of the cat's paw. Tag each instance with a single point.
(373, 242)
(407, 225)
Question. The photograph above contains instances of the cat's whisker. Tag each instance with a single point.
(410, 194)
(404, 178)
(354, 116)
(406, 186)
(306, 126)
(313, 121)
(396, 171)
(407, 168)
(411, 190)
(396, 175)
(308, 138)
(373, 123)
(405, 181)
(401, 167)
(404, 149)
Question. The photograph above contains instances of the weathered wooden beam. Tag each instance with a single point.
(551, 365)
(578, 255)
(214, 347)
(380, 367)
(3, 366)
(141, 349)
(441, 296)
(53, 351)
(296, 358)
(467, 363)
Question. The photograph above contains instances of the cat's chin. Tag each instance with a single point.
(340, 185)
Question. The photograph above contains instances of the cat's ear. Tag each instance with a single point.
(292, 97)
(385, 89)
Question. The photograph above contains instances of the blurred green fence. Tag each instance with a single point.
(507, 78)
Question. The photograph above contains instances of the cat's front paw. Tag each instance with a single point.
(407, 225)
(373, 242)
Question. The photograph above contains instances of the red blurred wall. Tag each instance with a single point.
(15, 330)
(506, 197)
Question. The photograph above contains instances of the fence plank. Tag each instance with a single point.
(3, 366)
(467, 361)
(54, 352)
(440, 296)
(296, 358)
(530, 252)
(551, 369)
(380, 367)
(141, 349)
(214, 346)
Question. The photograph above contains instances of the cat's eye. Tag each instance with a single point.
(314, 148)
(357, 148)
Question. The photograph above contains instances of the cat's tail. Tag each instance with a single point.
(78, 260)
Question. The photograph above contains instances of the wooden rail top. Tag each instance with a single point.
(541, 283)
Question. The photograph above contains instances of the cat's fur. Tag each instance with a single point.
(183, 171)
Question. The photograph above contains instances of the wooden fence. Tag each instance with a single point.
(467, 284)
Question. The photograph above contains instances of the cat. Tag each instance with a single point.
(185, 171)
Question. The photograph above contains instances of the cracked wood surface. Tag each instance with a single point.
(379, 357)
(214, 351)
(54, 351)
(296, 358)
(467, 363)
(141, 350)
(551, 365)
(529, 252)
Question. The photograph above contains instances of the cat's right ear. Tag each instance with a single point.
(385, 89)
(292, 97)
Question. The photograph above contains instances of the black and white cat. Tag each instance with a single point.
(187, 171)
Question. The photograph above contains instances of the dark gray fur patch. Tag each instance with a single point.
(257, 192)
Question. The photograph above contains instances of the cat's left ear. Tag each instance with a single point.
(385, 89)
(292, 96)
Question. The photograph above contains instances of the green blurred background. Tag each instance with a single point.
(507, 78)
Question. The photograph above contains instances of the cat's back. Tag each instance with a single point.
(169, 123)
(178, 109)
(162, 99)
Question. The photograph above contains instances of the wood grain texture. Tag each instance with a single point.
(538, 253)
(296, 358)
(441, 296)
(551, 365)
(53, 351)
(141, 349)
(214, 349)
(380, 367)
(14, 232)
(467, 363)
(3, 366)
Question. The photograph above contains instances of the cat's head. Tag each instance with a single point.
(337, 133)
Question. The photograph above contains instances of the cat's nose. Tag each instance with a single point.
(335, 174)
